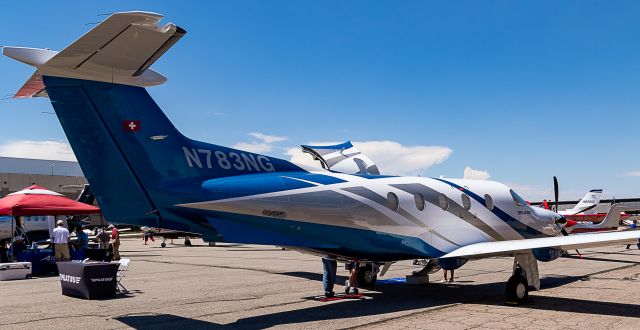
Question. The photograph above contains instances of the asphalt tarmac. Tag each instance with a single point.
(255, 287)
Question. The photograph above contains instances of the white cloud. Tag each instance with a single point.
(45, 149)
(263, 143)
(473, 174)
(635, 173)
(269, 139)
(391, 157)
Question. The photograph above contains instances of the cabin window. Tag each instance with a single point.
(392, 201)
(488, 201)
(466, 201)
(443, 201)
(517, 199)
(419, 201)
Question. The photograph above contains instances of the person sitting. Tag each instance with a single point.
(18, 246)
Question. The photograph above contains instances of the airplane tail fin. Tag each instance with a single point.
(589, 202)
(610, 222)
(138, 164)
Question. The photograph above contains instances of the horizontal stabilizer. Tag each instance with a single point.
(342, 158)
(34, 87)
(578, 241)
(119, 50)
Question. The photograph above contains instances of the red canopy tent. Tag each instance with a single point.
(36, 200)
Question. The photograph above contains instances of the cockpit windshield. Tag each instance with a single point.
(517, 199)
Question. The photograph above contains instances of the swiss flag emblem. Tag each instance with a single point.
(131, 125)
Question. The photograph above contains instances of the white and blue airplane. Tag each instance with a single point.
(144, 172)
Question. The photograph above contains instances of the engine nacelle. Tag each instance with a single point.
(451, 263)
(547, 254)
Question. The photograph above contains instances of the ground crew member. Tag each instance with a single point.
(115, 242)
(352, 281)
(61, 242)
(329, 269)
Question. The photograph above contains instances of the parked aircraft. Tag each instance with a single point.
(584, 213)
(33, 227)
(145, 172)
(586, 205)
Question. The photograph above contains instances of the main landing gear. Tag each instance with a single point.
(367, 275)
(525, 277)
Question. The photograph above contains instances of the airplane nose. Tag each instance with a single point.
(562, 221)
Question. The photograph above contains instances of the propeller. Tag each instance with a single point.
(562, 222)
(555, 194)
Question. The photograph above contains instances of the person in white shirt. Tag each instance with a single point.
(61, 242)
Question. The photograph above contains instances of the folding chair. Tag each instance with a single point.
(122, 270)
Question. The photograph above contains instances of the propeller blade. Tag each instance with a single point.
(555, 193)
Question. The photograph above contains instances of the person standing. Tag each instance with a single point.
(352, 281)
(82, 243)
(103, 239)
(115, 242)
(445, 280)
(329, 269)
(61, 242)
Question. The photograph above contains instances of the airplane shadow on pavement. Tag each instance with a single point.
(391, 298)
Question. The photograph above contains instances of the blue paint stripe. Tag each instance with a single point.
(521, 228)
(352, 242)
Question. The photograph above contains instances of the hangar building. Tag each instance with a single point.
(64, 177)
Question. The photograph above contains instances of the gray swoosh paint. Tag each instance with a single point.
(454, 208)
(322, 207)
(371, 195)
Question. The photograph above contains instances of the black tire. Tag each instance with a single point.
(517, 290)
(366, 277)
(28, 276)
(163, 244)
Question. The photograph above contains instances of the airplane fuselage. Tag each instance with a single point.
(31, 224)
(370, 217)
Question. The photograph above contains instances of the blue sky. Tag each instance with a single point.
(523, 90)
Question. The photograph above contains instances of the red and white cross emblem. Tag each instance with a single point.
(132, 125)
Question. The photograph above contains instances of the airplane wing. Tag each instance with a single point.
(578, 241)
(343, 158)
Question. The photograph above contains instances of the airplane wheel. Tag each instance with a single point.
(517, 290)
(366, 276)
(163, 244)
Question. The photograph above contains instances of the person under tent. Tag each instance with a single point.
(61, 242)
(82, 243)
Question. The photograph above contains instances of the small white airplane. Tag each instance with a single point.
(145, 172)
(586, 205)
(33, 227)
(584, 218)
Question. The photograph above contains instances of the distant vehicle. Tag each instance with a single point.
(145, 172)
